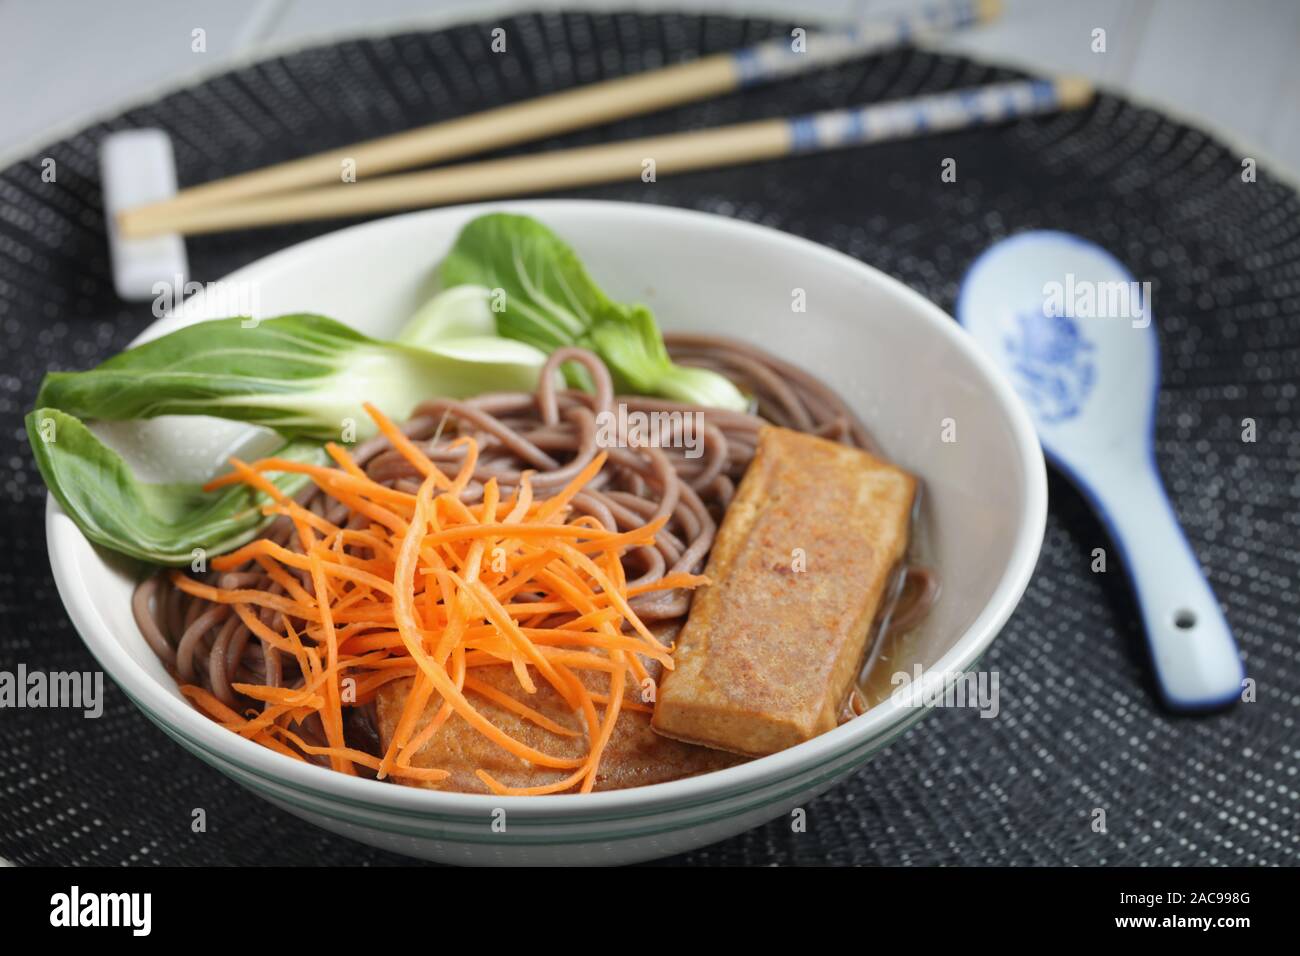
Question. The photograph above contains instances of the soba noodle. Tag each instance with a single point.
(551, 435)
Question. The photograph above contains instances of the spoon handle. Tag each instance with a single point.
(1195, 657)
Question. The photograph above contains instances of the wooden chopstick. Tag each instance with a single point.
(628, 159)
(586, 106)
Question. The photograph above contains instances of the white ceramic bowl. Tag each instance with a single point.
(903, 364)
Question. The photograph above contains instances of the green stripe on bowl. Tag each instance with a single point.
(847, 757)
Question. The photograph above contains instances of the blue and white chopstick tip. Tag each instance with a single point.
(936, 113)
(824, 46)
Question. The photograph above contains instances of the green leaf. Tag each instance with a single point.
(303, 375)
(159, 523)
(551, 301)
(462, 312)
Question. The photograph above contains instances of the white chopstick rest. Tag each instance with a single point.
(939, 112)
(137, 167)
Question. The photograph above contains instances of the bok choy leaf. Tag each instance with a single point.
(462, 312)
(540, 293)
(168, 524)
(302, 375)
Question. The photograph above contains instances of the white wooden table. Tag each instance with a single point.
(1230, 66)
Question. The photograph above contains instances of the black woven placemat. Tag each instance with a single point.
(1077, 731)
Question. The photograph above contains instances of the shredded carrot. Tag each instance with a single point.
(406, 448)
(426, 588)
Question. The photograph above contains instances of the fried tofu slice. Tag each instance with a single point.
(634, 756)
(800, 566)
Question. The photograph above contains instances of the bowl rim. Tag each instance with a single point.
(197, 731)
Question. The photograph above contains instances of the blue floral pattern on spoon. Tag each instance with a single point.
(1053, 364)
